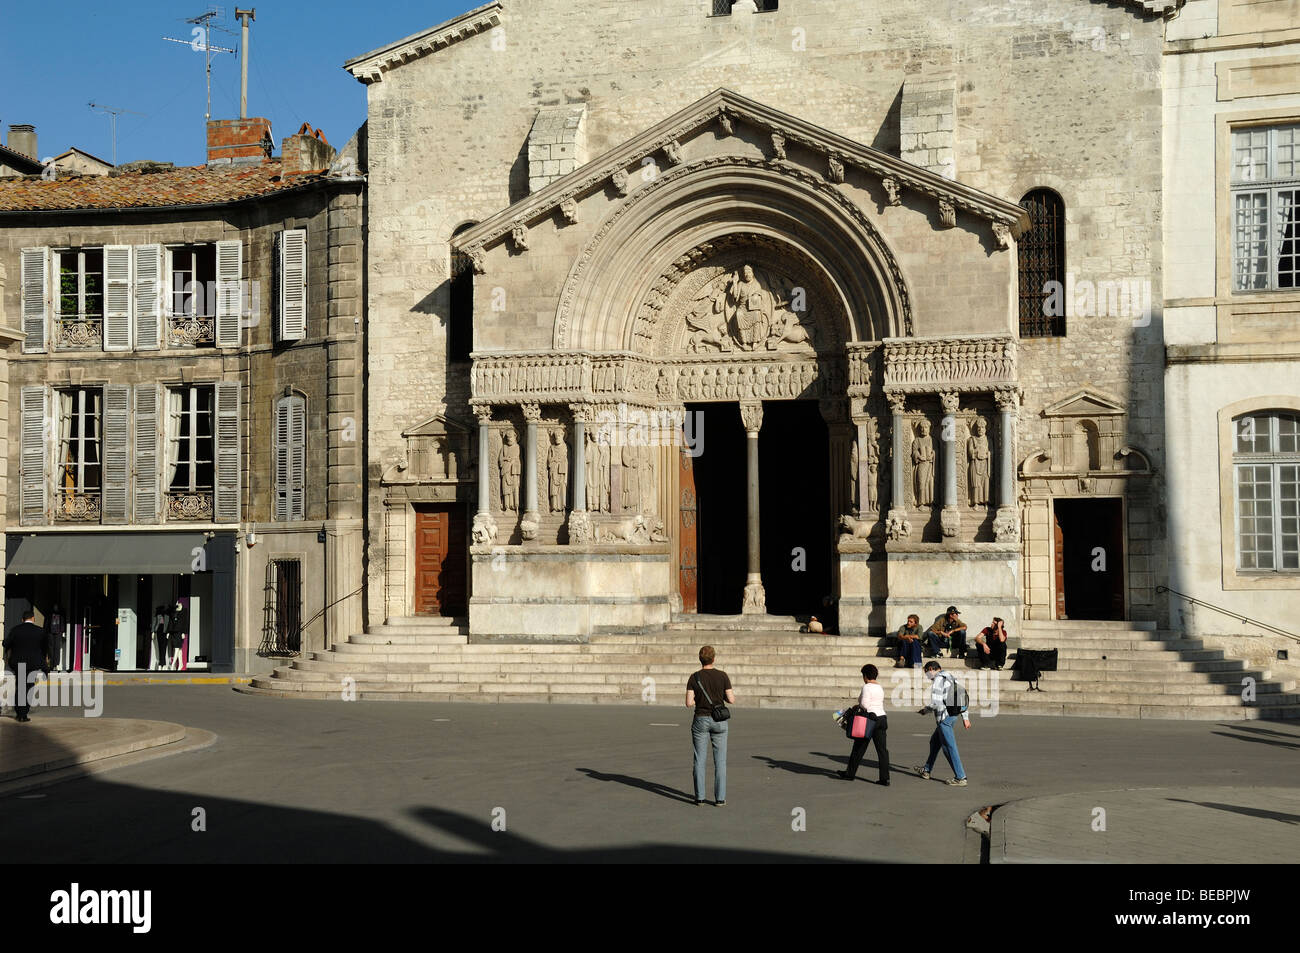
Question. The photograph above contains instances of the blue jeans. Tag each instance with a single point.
(943, 737)
(703, 731)
(936, 643)
(910, 651)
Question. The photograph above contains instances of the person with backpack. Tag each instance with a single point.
(948, 700)
(705, 692)
(871, 703)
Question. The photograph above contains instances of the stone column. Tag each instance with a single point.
(755, 600)
(896, 524)
(528, 525)
(843, 478)
(579, 519)
(484, 531)
(950, 515)
(1006, 523)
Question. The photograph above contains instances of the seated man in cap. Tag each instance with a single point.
(947, 631)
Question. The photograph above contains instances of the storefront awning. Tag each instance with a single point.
(76, 553)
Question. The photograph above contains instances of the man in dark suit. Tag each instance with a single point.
(26, 648)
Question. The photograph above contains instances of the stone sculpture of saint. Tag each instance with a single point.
(557, 472)
(509, 468)
(977, 458)
(853, 474)
(631, 486)
(873, 470)
(602, 472)
(923, 465)
(647, 478)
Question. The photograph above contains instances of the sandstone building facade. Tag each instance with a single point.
(838, 309)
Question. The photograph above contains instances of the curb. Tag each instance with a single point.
(192, 739)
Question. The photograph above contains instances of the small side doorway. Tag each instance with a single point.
(440, 548)
(1089, 543)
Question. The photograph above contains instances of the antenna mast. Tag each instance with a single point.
(200, 42)
(113, 112)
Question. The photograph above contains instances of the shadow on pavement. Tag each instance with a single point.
(652, 786)
(1238, 809)
(1259, 731)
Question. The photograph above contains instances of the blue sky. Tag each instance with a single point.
(57, 57)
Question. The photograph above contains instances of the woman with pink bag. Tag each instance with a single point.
(871, 706)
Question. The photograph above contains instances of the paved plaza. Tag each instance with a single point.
(306, 781)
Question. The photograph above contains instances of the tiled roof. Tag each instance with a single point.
(164, 188)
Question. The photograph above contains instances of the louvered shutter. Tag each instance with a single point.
(148, 296)
(146, 453)
(35, 267)
(292, 284)
(36, 412)
(281, 457)
(230, 264)
(117, 297)
(297, 458)
(117, 452)
(227, 489)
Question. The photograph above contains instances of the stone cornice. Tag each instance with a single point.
(730, 107)
(370, 67)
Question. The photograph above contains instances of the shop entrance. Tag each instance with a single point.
(1089, 552)
(794, 510)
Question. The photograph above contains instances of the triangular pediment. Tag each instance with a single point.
(438, 425)
(728, 110)
(1085, 403)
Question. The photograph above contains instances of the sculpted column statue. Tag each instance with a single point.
(557, 472)
(529, 524)
(923, 465)
(949, 516)
(509, 469)
(896, 524)
(977, 463)
(755, 599)
(484, 530)
(1006, 523)
(579, 519)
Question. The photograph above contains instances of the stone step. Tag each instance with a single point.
(403, 638)
(425, 621)
(1068, 625)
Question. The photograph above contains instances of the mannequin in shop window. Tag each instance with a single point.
(162, 618)
(177, 636)
(58, 660)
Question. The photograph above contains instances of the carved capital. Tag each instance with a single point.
(778, 146)
(1008, 400)
(950, 401)
(532, 412)
(569, 210)
(892, 189)
(751, 415)
(834, 169)
(519, 236)
(947, 214)
(897, 402)
(619, 180)
(483, 412)
(1002, 233)
(582, 413)
(859, 408)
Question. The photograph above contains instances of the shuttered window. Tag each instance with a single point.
(291, 284)
(290, 458)
(148, 296)
(117, 298)
(146, 454)
(117, 453)
(230, 266)
(227, 494)
(35, 270)
(32, 456)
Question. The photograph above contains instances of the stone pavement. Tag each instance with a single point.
(1183, 825)
(320, 782)
(51, 749)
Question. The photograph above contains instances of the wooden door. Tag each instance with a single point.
(688, 559)
(1058, 548)
(440, 560)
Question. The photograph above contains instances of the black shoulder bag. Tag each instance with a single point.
(719, 712)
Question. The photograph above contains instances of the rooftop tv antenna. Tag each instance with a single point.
(200, 42)
(113, 112)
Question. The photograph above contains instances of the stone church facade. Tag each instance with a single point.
(679, 314)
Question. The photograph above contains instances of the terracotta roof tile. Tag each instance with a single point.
(165, 188)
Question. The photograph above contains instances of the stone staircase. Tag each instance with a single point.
(1114, 669)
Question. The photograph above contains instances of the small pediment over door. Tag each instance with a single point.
(1086, 431)
(438, 450)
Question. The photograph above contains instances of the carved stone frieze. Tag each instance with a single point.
(926, 365)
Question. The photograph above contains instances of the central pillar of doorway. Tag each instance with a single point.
(755, 600)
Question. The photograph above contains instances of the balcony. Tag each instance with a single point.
(184, 506)
(78, 332)
(77, 506)
(187, 330)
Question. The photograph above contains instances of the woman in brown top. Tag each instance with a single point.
(704, 689)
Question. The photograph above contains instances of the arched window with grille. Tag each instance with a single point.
(1041, 251)
(460, 326)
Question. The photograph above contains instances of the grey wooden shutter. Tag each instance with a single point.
(148, 296)
(146, 453)
(35, 268)
(117, 452)
(226, 504)
(35, 486)
(117, 297)
(230, 266)
(297, 458)
(292, 284)
(281, 459)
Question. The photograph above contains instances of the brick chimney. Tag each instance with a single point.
(239, 141)
(305, 151)
(22, 138)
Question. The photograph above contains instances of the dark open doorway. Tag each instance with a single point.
(1089, 559)
(719, 537)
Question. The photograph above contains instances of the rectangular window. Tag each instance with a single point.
(190, 453)
(192, 300)
(78, 473)
(1266, 467)
(1265, 195)
(79, 306)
